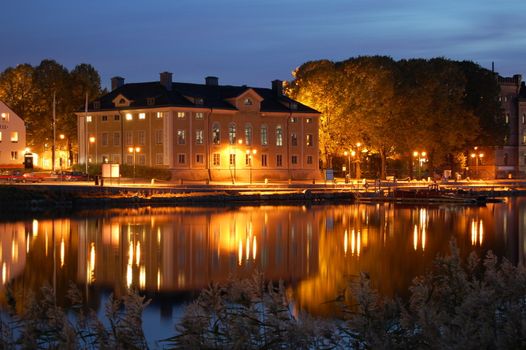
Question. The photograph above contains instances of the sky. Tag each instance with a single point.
(254, 42)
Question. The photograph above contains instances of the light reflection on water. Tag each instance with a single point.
(171, 252)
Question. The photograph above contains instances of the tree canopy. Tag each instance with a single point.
(394, 107)
(29, 91)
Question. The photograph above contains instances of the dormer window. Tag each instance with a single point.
(199, 101)
(293, 106)
(247, 102)
(122, 101)
(5, 117)
(150, 101)
(96, 105)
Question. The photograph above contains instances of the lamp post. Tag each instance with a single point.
(358, 170)
(421, 159)
(134, 150)
(249, 154)
(477, 157)
(91, 140)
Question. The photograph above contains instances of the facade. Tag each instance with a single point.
(12, 137)
(202, 131)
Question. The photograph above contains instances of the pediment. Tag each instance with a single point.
(248, 100)
(121, 101)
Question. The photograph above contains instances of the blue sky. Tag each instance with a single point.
(253, 42)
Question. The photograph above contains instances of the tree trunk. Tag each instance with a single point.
(383, 159)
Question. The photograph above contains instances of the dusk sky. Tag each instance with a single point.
(254, 42)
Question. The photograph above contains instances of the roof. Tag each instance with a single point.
(194, 95)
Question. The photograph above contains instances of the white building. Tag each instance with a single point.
(12, 137)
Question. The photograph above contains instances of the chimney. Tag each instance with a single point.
(166, 80)
(277, 87)
(212, 81)
(116, 82)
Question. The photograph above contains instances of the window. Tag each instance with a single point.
(181, 158)
(199, 101)
(159, 137)
(293, 106)
(5, 117)
(129, 159)
(248, 134)
(216, 134)
(279, 136)
(523, 118)
(264, 135)
(105, 139)
(199, 115)
(293, 119)
(248, 159)
(294, 139)
(0, 136)
(264, 160)
(116, 117)
(105, 159)
(180, 115)
(88, 119)
(294, 159)
(232, 160)
(141, 137)
(232, 133)
(279, 160)
(150, 101)
(129, 138)
(200, 158)
(14, 155)
(247, 102)
(505, 158)
(104, 118)
(308, 120)
(199, 137)
(181, 137)
(309, 160)
(129, 116)
(159, 158)
(159, 115)
(524, 137)
(141, 159)
(96, 105)
(507, 120)
(14, 136)
(115, 158)
(216, 161)
(309, 140)
(142, 116)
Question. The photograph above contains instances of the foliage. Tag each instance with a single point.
(29, 92)
(394, 107)
(44, 325)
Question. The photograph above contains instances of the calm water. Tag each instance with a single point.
(169, 253)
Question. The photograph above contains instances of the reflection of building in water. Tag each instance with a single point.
(13, 245)
(186, 249)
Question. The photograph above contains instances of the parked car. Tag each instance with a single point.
(11, 176)
(73, 176)
(40, 176)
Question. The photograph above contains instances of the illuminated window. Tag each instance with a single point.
(216, 161)
(116, 138)
(104, 118)
(159, 137)
(293, 119)
(0, 136)
(141, 137)
(199, 115)
(294, 159)
(309, 160)
(216, 134)
(180, 115)
(88, 119)
(279, 160)
(199, 137)
(142, 116)
(181, 137)
(232, 133)
(181, 158)
(14, 136)
(264, 160)
(524, 137)
(279, 136)
(308, 120)
(5, 117)
(309, 140)
(248, 134)
(507, 118)
(159, 115)
(247, 102)
(264, 135)
(129, 116)
(294, 139)
(199, 158)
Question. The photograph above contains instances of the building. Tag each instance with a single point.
(12, 137)
(202, 131)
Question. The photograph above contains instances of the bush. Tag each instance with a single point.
(141, 172)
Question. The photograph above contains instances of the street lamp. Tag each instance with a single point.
(421, 159)
(90, 140)
(134, 150)
(249, 154)
(477, 157)
(358, 170)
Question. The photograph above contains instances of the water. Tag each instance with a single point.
(171, 253)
